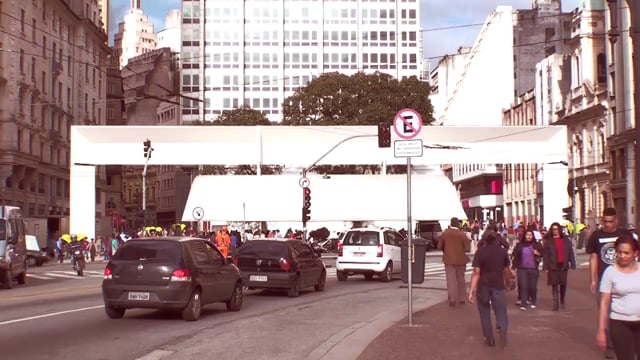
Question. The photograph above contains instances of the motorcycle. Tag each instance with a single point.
(78, 256)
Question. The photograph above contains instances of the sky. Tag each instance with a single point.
(435, 14)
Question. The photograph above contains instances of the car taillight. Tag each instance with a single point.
(108, 275)
(235, 261)
(181, 275)
(379, 254)
(284, 265)
(340, 246)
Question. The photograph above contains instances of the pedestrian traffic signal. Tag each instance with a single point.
(147, 149)
(567, 213)
(384, 135)
(306, 215)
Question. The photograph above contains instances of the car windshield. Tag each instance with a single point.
(3, 229)
(149, 250)
(263, 248)
(362, 238)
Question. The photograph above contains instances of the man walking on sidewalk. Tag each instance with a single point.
(602, 254)
(454, 244)
(491, 279)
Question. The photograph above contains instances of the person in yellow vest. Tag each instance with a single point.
(223, 240)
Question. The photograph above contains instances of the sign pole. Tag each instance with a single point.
(409, 245)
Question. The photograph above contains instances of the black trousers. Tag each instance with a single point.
(625, 336)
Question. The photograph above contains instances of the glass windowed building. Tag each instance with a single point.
(257, 52)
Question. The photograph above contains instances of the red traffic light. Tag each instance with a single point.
(307, 191)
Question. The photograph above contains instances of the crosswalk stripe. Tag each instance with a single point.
(62, 275)
(38, 277)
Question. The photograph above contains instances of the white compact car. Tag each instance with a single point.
(369, 251)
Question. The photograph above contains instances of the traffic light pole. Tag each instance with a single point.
(310, 167)
(144, 188)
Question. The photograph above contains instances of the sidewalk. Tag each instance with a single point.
(440, 332)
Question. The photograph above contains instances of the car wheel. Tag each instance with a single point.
(114, 313)
(321, 282)
(39, 262)
(342, 276)
(193, 310)
(387, 273)
(294, 290)
(7, 279)
(22, 278)
(368, 276)
(235, 302)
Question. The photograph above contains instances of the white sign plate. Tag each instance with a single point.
(407, 148)
(407, 124)
(198, 213)
(304, 182)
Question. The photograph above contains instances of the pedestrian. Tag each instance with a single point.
(558, 258)
(620, 301)
(223, 241)
(526, 258)
(490, 282)
(454, 245)
(602, 252)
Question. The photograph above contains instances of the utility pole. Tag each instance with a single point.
(634, 10)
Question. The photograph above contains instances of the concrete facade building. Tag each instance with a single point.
(257, 53)
(585, 113)
(135, 35)
(621, 135)
(521, 192)
(505, 54)
(52, 77)
(104, 14)
(171, 35)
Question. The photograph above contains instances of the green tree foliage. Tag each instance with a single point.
(242, 116)
(360, 99)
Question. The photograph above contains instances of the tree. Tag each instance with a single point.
(360, 99)
(242, 116)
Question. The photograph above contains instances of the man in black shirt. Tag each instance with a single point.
(491, 279)
(602, 254)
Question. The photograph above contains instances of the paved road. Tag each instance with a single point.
(61, 317)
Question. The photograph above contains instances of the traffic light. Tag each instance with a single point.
(567, 213)
(384, 135)
(306, 205)
(147, 149)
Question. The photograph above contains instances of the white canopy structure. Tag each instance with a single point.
(334, 199)
(299, 147)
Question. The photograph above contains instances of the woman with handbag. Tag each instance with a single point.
(558, 259)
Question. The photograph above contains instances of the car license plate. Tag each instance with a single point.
(139, 296)
(358, 254)
(258, 278)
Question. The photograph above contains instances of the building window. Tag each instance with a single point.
(602, 68)
(22, 14)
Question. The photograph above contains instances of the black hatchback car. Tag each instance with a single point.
(280, 264)
(174, 273)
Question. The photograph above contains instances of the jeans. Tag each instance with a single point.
(528, 285)
(625, 336)
(486, 299)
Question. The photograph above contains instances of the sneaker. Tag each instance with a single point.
(518, 302)
(523, 308)
(532, 306)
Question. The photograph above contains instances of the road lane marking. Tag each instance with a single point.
(50, 315)
(62, 275)
(156, 355)
(38, 277)
(52, 292)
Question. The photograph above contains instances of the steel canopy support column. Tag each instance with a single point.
(82, 195)
(554, 193)
(634, 9)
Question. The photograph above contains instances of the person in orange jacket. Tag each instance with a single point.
(223, 241)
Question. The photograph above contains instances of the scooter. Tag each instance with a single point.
(78, 256)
